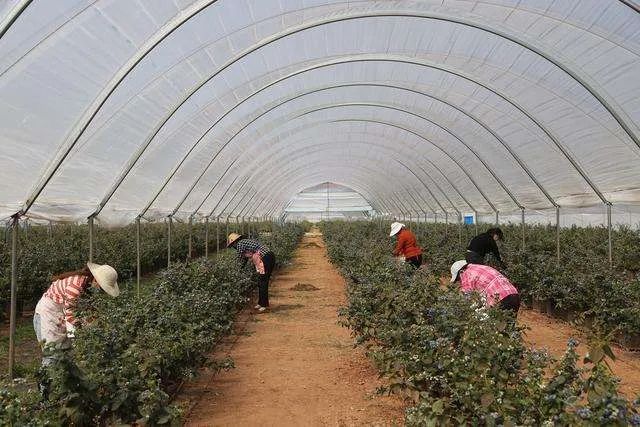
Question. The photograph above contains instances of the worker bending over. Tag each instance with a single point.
(493, 287)
(406, 244)
(483, 244)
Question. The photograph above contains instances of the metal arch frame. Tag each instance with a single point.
(391, 107)
(292, 156)
(321, 175)
(253, 206)
(287, 175)
(13, 16)
(400, 127)
(273, 180)
(305, 150)
(245, 182)
(174, 24)
(394, 207)
(184, 158)
(339, 166)
(363, 58)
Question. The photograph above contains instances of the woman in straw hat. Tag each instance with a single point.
(263, 259)
(53, 320)
(406, 244)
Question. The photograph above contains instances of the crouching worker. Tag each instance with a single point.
(483, 244)
(263, 259)
(406, 244)
(53, 321)
(493, 287)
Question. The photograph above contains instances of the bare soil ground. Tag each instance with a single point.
(294, 365)
(553, 335)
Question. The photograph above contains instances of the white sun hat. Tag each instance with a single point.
(395, 227)
(455, 269)
(106, 276)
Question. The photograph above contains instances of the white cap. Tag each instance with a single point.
(106, 276)
(395, 227)
(455, 269)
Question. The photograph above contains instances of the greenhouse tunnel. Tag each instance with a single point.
(116, 112)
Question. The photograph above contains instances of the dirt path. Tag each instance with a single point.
(553, 335)
(295, 365)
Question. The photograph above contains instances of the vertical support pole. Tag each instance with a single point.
(227, 225)
(190, 246)
(50, 230)
(217, 237)
(138, 272)
(523, 228)
(446, 224)
(14, 294)
(91, 236)
(169, 226)
(460, 225)
(610, 230)
(475, 222)
(206, 237)
(497, 219)
(558, 233)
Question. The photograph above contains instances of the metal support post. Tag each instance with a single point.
(138, 272)
(610, 230)
(446, 224)
(460, 229)
(14, 294)
(217, 237)
(206, 237)
(190, 245)
(558, 233)
(91, 236)
(169, 226)
(50, 228)
(475, 222)
(497, 219)
(523, 229)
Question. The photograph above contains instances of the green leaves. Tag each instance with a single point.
(459, 362)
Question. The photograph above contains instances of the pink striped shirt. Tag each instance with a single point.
(66, 292)
(487, 281)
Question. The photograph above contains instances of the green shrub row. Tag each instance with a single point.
(581, 285)
(459, 363)
(44, 251)
(132, 352)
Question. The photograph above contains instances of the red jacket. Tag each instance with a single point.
(406, 244)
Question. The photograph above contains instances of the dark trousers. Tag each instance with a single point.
(510, 302)
(415, 261)
(269, 261)
(474, 258)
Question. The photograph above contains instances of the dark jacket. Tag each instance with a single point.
(483, 244)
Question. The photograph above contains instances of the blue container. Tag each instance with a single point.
(468, 219)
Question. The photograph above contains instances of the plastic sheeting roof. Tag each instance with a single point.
(328, 201)
(121, 108)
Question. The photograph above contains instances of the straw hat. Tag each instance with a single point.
(455, 269)
(106, 276)
(233, 237)
(395, 228)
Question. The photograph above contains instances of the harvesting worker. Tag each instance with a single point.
(263, 259)
(53, 319)
(483, 244)
(406, 244)
(493, 287)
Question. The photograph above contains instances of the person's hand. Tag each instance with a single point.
(71, 330)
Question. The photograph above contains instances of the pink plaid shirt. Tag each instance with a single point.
(487, 281)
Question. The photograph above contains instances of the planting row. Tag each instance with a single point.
(582, 285)
(130, 353)
(44, 251)
(459, 362)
